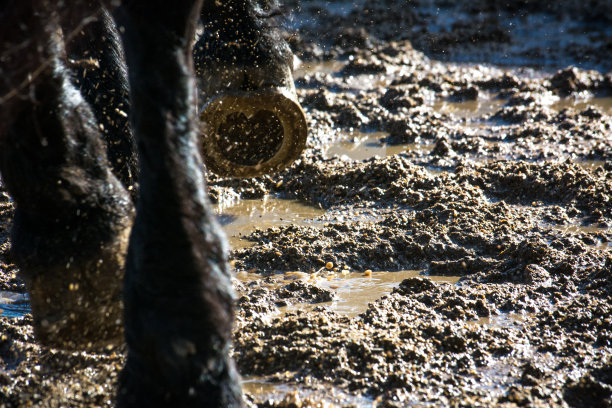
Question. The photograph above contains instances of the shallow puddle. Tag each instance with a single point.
(353, 291)
(367, 82)
(582, 229)
(591, 164)
(292, 393)
(240, 218)
(595, 233)
(305, 68)
(359, 145)
(602, 104)
(13, 304)
(470, 109)
(504, 320)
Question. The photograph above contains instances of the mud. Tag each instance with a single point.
(446, 238)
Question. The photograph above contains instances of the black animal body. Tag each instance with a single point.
(91, 186)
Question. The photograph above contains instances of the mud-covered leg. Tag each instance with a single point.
(252, 123)
(95, 54)
(72, 215)
(178, 293)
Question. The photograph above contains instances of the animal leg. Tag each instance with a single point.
(73, 216)
(251, 121)
(178, 293)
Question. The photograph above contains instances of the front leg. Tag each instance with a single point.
(178, 292)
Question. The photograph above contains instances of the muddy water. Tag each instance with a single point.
(240, 218)
(502, 320)
(470, 109)
(547, 339)
(303, 69)
(293, 394)
(597, 235)
(354, 290)
(359, 145)
(604, 104)
(470, 115)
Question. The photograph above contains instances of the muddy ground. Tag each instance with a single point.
(495, 120)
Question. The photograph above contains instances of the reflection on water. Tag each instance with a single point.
(367, 81)
(504, 320)
(354, 290)
(240, 218)
(13, 304)
(305, 68)
(591, 164)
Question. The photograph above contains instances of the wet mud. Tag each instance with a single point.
(445, 239)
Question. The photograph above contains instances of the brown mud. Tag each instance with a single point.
(461, 153)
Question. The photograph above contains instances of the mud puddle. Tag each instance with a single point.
(483, 139)
(361, 146)
(503, 320)
(240, 218)
(306, 68)
(516, 37)
(488, 103)
(604, 104)
(354, 290)
(527, 325)
(470, 109)
(591, 164)
(597, 237)
(294, 394)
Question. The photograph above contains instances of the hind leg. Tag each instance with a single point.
(252, 123)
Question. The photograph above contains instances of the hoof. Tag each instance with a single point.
(77, 305)
(251, 133)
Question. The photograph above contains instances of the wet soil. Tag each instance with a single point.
(446, 238)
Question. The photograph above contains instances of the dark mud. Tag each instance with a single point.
(493, 123)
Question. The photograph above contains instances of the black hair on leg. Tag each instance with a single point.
(241, 47)
(95, 54)
(178, 293)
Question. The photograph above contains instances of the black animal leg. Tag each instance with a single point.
(72, 217)
(178, 292)
(95, 54)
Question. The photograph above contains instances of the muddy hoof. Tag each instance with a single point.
(252, 133)
(77, 305)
